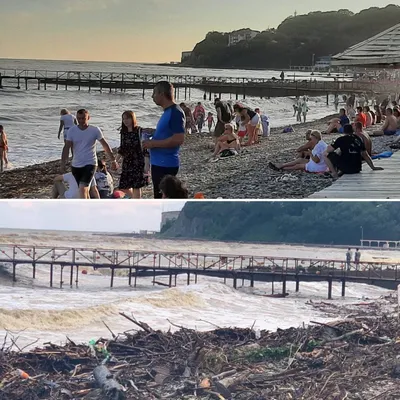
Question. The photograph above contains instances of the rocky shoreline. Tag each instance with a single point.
(246, 176)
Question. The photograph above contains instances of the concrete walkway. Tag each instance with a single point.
(368, 184)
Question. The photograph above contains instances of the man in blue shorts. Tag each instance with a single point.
(167, 138)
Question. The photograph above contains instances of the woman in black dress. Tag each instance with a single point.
(132, 178)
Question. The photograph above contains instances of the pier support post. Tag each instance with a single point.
(71, 277)
(51, 275)
(297, 284)
(176, 277)
(284, 285)
(330, 288)
(195, 278)
(77, 276)
(14, 272)
(327, 99)
(26, 83)
(234, 282)
(188, 278)
(45, 85)
(1, 82)
(185, 92)
(205, 96)
(61, 276)
(130, 276)
(209, 96)
(252, 281)
(170, 279)
(18, 85)
(112, 276)
(34, 270)
(135, 282)
(343, 287)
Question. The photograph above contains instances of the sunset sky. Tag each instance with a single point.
(136, 30)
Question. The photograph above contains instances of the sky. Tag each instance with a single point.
(89, 216)
(137, 30)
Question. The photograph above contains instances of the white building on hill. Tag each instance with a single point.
(243, 34)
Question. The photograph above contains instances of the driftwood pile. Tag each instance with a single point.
(356, 357)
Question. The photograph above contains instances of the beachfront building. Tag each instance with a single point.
(168, 216)
(241, 35)
(381, 50)
(185, 55)
(323, 63)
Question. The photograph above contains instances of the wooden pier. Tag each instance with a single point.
(139, 263)
(26, 79)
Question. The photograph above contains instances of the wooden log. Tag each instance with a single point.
(110, 387)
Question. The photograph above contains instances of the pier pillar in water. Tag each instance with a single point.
(188, 278)
(61, 276)
(71, 277)
(195, 278)
(130, 277)
(112, 276)
(26, 83)
(185, 92)
(45, 85)
(51, 275)
(1, 82)
(170, 279)
(297, 284)
(38, 84)
(34, 270)
(14, 272)
(135, 282)
(204, 96)
(190, 91)
(284, 285)
(343, 287)
(330, 288)
(234, 282)
(18, 85)
(77, 276)
(252, 281)
(327, 99)
(209, 96)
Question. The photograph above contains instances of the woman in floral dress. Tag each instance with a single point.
(132, 178)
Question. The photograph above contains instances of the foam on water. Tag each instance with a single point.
(31, 118)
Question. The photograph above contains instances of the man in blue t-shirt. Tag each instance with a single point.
(168, 136)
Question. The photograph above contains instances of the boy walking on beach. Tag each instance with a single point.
(168, 137)
(82, 139)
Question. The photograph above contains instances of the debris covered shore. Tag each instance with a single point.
(354, 356)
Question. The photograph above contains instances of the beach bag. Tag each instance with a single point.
(288, 129)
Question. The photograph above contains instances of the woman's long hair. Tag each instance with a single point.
(132, 116)
(173, 188)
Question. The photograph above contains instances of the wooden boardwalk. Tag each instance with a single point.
(42, 79)
(368, 184)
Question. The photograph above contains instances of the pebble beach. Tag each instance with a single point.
(246, 176)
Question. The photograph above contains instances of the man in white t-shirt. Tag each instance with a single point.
(83, 139)
(65, 187)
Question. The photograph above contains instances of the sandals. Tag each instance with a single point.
(274, 167)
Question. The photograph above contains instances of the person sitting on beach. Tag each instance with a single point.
(358, 128)
(172, 188)
(396, 114)
(378, 114)
(228, 142)
(67, 121)
(352, 152)
(336, 125)
(316, 162)
(199, 116)
(390, 125)
(82, 138)
(3, 149)
(210, 121)
(104, 180)
(304, 150)
(65, 187)
(369, 118)
(361, 117)
(251, 120)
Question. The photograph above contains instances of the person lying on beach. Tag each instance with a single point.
(172, 188)
(303, 151)
(3, 149)
(352, 152)
(336, 125)
(251, 120)
(316, 162)
(390, 125)
(228, 141)
(65, 187)
(358, 130)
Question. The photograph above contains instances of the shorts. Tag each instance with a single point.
(65, 133)
(84, 175)
(337, 162)
(255, 120)
(242, 134)
(312, 166)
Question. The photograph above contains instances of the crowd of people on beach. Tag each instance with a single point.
(348, 152)
(152, 155)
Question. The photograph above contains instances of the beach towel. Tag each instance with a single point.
(385, 154)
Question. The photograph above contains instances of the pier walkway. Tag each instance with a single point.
(42, 79)
(139, 263)
(367, 184)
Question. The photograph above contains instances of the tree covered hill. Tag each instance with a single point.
(295, 40)
(336, 223)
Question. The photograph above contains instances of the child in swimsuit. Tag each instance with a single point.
(210, 121)
(3, 148)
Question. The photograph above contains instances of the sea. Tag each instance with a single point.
(34, 314)
(31, 118)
